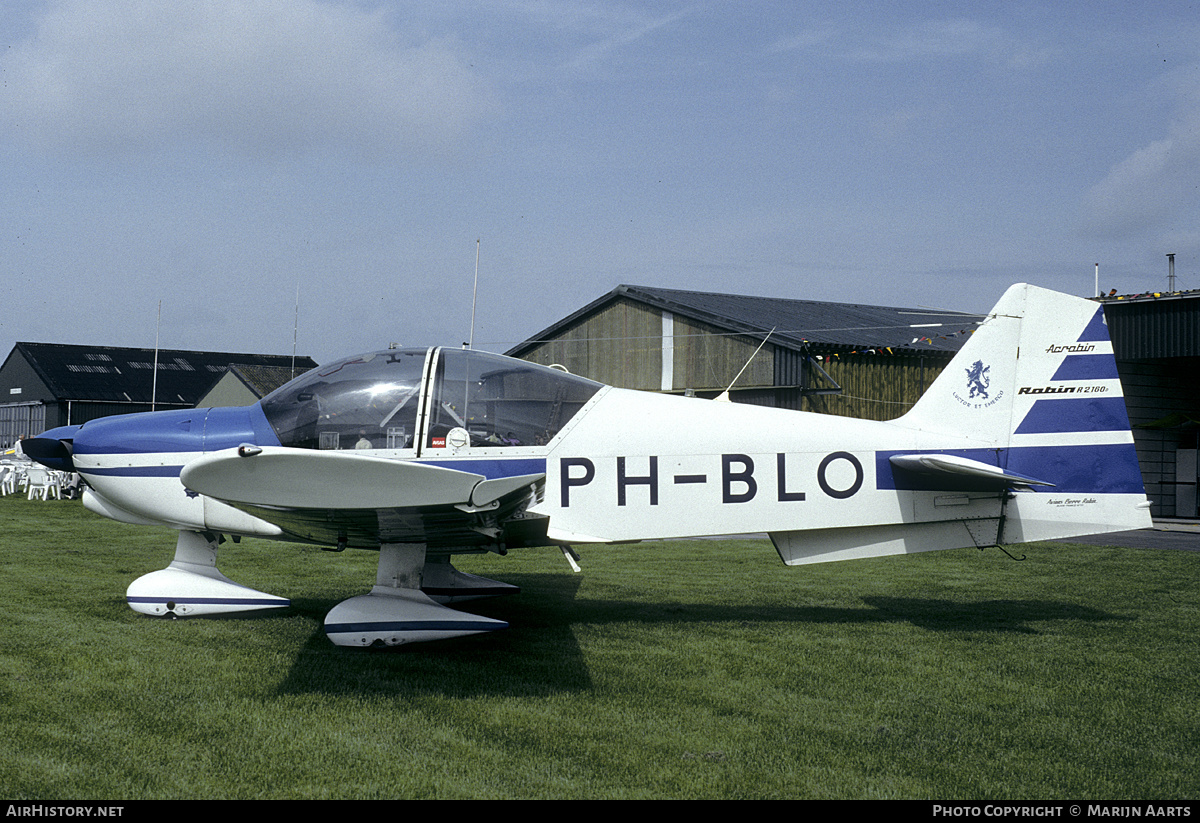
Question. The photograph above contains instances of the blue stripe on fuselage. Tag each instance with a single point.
(494, 467)
(134, 471)
(1102, 469)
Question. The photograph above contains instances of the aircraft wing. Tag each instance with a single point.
(343, 498)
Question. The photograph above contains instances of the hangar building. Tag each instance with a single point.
(873, 362)
(45, 385)
(1156, 341)
(870, 362)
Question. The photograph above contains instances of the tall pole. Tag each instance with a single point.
(154, 381)
(295, 329)
(474, 294)
(1170, 272)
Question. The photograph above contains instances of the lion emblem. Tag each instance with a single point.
(978, 380)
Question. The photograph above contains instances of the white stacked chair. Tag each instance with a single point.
(17, 479)
(38, 483)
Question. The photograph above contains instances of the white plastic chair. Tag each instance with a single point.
(56, 482)
(38, 483)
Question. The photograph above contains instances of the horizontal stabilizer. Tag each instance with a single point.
(949, 466)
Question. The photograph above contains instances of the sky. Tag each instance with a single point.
(258, 175)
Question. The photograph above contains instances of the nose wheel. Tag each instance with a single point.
(192, 586)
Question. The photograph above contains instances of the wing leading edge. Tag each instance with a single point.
(362, 501)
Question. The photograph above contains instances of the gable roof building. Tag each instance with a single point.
(45, 385)
(244, 384)
(840, 358)
(874, 361)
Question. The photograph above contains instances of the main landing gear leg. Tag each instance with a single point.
(446, 584)
(192, 586)
(397, 611)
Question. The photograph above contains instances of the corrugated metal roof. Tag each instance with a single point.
(1154, 324)
(101, 373)
(797, 323)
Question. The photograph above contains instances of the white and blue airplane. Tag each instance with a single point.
(421, 454)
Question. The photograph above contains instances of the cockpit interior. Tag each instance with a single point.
(423, 401)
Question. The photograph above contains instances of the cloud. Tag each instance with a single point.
(1158, 185)
(941, 38)
(625, 36)
(259, 77)
(919, 41)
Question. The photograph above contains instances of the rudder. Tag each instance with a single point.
(1038, 382)
(1034, 398)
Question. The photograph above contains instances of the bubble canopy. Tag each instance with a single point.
(411, 399)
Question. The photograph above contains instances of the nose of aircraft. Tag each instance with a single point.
(52, 448)
(176, 431)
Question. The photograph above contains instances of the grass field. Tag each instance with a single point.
(699, 669)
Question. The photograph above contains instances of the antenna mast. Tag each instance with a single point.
(724, 396)
(474, 294)
(154, 381)
(295, 329)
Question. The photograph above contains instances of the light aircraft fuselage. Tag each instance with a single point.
(426, 453)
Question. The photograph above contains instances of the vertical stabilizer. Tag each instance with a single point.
(1030, 408)
(1038, 383)
(1041, 363)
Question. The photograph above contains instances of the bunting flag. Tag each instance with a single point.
(891, 349)
(930, 340)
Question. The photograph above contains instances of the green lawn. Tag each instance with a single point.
(665, 670)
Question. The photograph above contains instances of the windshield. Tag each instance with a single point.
(500, 401)
(372, 402)
(364, 402)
